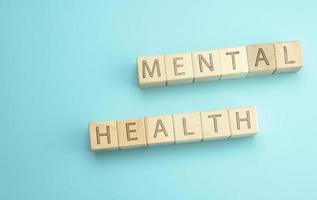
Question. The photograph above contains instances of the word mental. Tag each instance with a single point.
(173, 129)
(217, 64)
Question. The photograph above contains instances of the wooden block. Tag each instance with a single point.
(288, 57)
(207, 65)
(131, 133)
(187, 127)
(261, 58)
(234, 62)
(159, 130)
(179, 68)
(215, 125)
(243, 122)
(103, 135)
(151, 71)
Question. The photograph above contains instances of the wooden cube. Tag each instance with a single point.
(179, 68)
(243, 122)
(207, 65)
(234, 62)
(215, 125)
(131, 133)
(187, 127)
(261, 58)
(288, 57)
(159, 130)
(151, 71)
(103, 135)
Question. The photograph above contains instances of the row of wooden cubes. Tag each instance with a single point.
(226, 63)
(173, 129)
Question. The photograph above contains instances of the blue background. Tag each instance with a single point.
(66, 63)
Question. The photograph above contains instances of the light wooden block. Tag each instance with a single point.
(151, 71)
(207, 65)
(288, 57)
(261, 58)
(215, 125)
(159, 130)
(103, 135)
(243, 122)
(179, 68)
(131, 133)
(234, 62)
(187, 127)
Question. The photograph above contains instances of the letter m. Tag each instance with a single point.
(145, 67)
